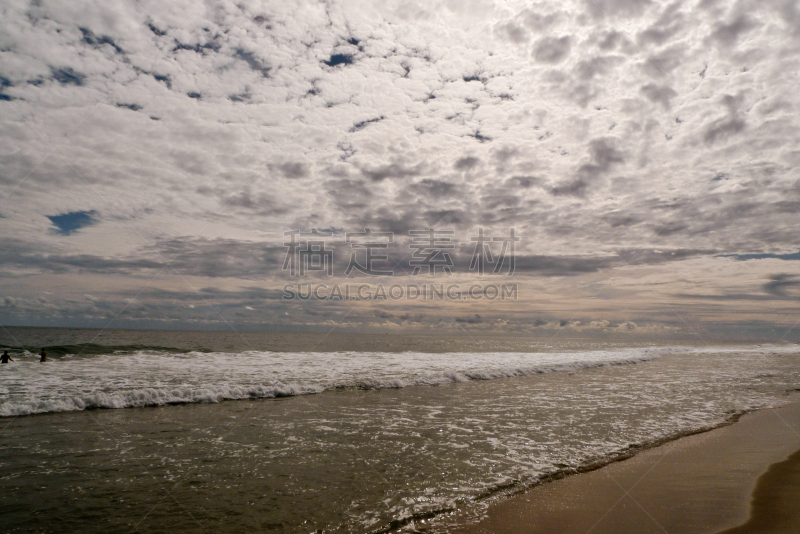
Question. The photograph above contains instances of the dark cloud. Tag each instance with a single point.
(726, 35)
(389, 220)
(470, 319)
(456, 217)
(434, 188)
(253, 61)
(596, 66)
(67, 76)
(574, 188)
(473, 78)
(513, 32)
(292, 169)
(99, 41)
(363, 124)
(611, 40)
(613, 8)
(495, 201)
(412, 318)
(199, 48)
(523, 182)
(505, 154)
(467, 163)
(670, 23)
(392, 170)
(15, 253)
(603, 154)
(254, 203)
(779, 287)
(219, 258)
(780, 284)
(662, 64)
(621, 219)
(481, 138)
(660, 94)
(669, 228)
(348, 193)
(721, 129)
(4, 83)
(552, 49)
(153, 28)
(132, 107)
(537, 21)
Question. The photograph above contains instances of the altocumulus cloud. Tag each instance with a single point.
(202, 132)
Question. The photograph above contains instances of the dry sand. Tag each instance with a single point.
(734, 476)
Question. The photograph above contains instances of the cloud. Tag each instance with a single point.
(513, 32)
(253, 61)
(552, 49)
(616, 8)
(603, 154)
(781, 284)
(363, 124)
(392, 170)
(68, 76)
(466, 163)
(727, 34)
(661, 94)
(594, 127)
(471, 319)
(292, 169)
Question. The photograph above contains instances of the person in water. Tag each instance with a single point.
(6, 357)
(43, 356)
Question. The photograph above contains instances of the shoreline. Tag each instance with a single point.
(514, 489)
(701, 482)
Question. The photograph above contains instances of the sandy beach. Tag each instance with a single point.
(740, 478)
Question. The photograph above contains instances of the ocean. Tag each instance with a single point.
(148, 431)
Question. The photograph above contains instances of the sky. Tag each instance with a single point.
(156, 158)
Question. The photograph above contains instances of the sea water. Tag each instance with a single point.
(202, 432)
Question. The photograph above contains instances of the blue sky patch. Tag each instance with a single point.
(69, 223)
(339, 59)
(744, 257)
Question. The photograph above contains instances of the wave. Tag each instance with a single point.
(136, 377)
(140, 398)
(218, 377)
(91, 349)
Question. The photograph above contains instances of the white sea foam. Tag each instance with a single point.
(158, 378)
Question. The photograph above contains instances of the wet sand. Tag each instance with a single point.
(735, 479)
(775, 500)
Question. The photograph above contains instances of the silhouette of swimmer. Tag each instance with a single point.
(6, 357)
(43, 356)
